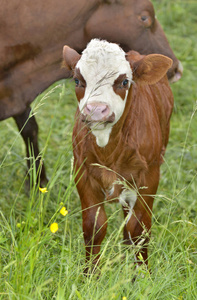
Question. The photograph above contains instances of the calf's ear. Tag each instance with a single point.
(151, 68)
(70, 58)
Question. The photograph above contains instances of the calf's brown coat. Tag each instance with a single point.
(133, 154)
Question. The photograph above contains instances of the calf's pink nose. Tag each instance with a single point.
(96, 111)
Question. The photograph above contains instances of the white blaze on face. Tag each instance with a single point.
(101, 64)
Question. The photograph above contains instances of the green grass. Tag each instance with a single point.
(36, 264)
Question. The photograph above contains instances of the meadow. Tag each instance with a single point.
(38, 264)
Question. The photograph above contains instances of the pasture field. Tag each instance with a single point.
(37, 264)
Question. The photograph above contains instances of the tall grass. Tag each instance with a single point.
(37, 264)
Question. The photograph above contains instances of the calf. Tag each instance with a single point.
(120, 136)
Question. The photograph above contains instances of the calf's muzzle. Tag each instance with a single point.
(97, 112)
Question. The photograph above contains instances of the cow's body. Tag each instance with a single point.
(32, 36)
(123, 165)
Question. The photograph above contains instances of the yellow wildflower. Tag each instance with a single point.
(54, 227)
(124, 298)
(43, 190)
(63, 211)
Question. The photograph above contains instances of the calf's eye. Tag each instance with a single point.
(125, 82)
(76, 81)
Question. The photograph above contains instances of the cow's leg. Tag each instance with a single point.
(29, 131)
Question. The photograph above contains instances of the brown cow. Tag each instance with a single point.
(32, 34)
(120, 136)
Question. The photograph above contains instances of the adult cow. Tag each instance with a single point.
(32, 34)
(120, 136)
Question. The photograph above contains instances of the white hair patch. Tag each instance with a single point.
(101, 64)
(128, 199)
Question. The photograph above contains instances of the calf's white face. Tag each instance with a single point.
(103, 77)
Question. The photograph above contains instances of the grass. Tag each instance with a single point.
(36, 264)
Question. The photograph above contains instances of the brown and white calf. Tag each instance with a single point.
(120, 136)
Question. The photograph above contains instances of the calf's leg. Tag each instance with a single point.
(94, 229)
(137, 230)
(138, 226)
(94, 218)
(29, 132)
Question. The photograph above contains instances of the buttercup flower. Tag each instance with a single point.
(18, 225)
(54, 227)
(63, 211)
(124, 298)
(43, 190)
